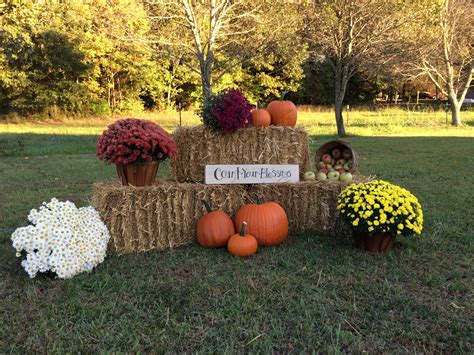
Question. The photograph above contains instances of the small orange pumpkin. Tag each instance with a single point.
(267, 222)
(214, 228)
(283, 113)
(242, 244)
(261, 118)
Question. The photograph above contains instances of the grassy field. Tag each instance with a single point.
(312, 292)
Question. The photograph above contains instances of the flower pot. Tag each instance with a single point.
(138, 174)
(375, 243)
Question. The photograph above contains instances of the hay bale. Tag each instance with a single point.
(160, 216)
(165, 215)
(198, 146)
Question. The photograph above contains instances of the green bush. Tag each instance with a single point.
(130, 106)
(100, 107)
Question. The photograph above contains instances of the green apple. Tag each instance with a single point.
(333, 175)
(322, 176)
(309, 176)
(346, 177)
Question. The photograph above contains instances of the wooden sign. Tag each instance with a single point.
(252, 174)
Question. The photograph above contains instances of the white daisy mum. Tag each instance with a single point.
(62, 238)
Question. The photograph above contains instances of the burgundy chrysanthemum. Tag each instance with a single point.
(227, 111)
(133, 140)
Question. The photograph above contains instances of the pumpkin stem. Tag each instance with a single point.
(258, 200)
(207, 205)
(258, 105)
(282, 97)
(243, 229)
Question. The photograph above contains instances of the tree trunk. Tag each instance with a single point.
(206, 89)
(206, 73)
(341, 131)
(455, 112)
(341, 79)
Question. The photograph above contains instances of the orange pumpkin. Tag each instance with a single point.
(242, 244)
(214, 228)
(283, 113)
(267, 222)
(261, 118)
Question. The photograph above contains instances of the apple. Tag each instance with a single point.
(324, 170)
(347, 166)
(322, 176)
(333, 161)
(341, 162)
(321, 165)
(326, 158)
(333, 175)
(338, 167)
(346, 177)
(336, 154)
(340, 171)
(309, 176)
(328, 166)
(347, 154)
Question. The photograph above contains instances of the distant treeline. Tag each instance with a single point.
(88, 57)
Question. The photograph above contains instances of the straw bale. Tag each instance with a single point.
(165, 215)
(199, 145)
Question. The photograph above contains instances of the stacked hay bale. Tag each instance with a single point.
(165, 215)
(199, 146)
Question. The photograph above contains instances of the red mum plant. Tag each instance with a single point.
(227, 111)
(133, 140)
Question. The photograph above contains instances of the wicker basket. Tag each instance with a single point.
(328, 147)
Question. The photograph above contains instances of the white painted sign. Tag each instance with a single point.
(252, 174)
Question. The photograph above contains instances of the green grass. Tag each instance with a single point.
(312, 292)
(364, 123)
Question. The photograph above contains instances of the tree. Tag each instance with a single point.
(214, 37)
(352, 36)
(442, 48)
(42, 68)
(76, 56)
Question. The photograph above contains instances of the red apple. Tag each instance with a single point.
(336, 154)
(326, 158)
(324, 170)
(347, 154)
(321, 165)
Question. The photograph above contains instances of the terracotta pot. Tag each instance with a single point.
(375, 243)
(138, 174)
